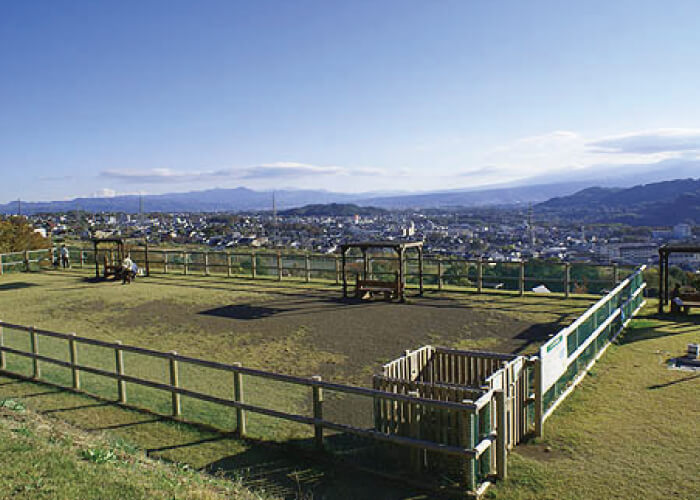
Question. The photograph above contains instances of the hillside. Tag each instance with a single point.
(657, 204)
(333, 209)
(47, 458)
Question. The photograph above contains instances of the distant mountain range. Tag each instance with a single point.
(657, 204)
(243, 199)
(640, 203)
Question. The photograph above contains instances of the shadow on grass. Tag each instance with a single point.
(243, 311)
(352, 470)
(654, 326)
(82, 407)
(291, 469)
(673, 382)
(538, 334)
(125, 425)
(17, 285)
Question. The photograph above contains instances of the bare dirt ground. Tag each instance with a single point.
(350, 338)
(283, 327)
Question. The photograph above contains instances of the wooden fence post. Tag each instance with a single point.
(148, 262)
(34, 341)
(279, 266)
(318, 412)
(414, 415)
(206, 263)
(501, 442)
(175, 382)
(119, 362)
(165, 262)
(466, 441)
(1, 271)
(337, 270)
(3, 361)
(185, 256)
(567, 279)
(238, 397)
(73, 349)
(26, 260)
(307, 267)
(228, 264)
(479, 275)
(253, 265)
(521, 279)
(539, 403)
(82, 258)
(439, 272)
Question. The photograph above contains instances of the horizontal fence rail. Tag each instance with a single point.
(25, 261)
(439, 273)
(569, 355)
(471, 444)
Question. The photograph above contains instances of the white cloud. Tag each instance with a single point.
(288, 170)
(559, 152)
(671, 140)
(150, 176)
(104, 193)
(451, 164)
(111, 193)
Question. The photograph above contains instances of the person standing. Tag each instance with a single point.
(65, 257)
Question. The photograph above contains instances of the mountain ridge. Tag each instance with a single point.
(654, 204)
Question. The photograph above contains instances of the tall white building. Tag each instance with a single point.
(682, 231)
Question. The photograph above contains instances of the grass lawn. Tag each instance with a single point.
(630, 430)
(45, 458)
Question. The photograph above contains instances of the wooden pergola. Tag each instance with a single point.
(664, 252)
(112, 265)
(400, 247)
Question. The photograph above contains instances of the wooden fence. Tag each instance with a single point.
(450, 374)
(24, 261)
(440, 273)
(468, 447)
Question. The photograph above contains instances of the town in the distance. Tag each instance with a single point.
(586, 226)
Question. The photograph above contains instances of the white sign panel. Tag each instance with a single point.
(554, 360)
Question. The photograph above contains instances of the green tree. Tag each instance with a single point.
(17, 235)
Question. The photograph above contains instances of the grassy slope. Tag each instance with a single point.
(629, 431)
(44, 458)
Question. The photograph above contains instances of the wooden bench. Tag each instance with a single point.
(689, 300)
(390, 289)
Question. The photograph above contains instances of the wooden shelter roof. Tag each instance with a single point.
(666, 249)
(382, 244)
(107, 240)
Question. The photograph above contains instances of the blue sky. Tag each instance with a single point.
(124, 97)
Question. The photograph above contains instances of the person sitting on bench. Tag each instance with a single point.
(676, 301)
(127, 270)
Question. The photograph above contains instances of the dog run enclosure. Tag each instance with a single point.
(432, 409)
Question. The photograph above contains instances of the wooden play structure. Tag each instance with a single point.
(113, 251)
(690, 298)
(110, 253)
(389, 288)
